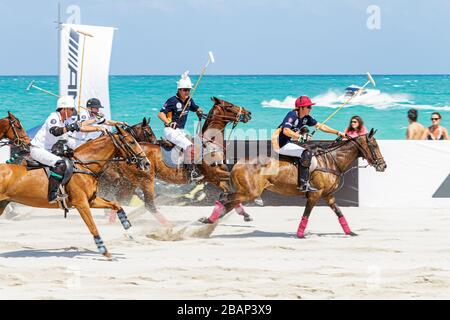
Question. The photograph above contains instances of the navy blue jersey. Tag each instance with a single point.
(293, 122)
(173, 107)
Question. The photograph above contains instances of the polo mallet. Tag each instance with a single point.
(32, 85)
(85, 34)
(210, 59)
(370, 80)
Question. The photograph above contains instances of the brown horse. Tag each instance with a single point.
(141, 132)
(251, 177)
(126, 179)
(30, 187)
(11, 129)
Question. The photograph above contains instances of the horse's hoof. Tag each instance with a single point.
(247, 218)
(302, 236)
(205, 220)
(107, 255)
(352, 234)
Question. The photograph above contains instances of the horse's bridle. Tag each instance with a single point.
(18, 140)
(132, 131)
(374, 160)
(121, 144)
(238, 117)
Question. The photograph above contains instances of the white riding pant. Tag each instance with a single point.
(43, 156)
(291, 149)
(177, 137)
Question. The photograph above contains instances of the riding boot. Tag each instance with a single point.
(303, 180)
(55, 179)
(189, 165)
(303, 172)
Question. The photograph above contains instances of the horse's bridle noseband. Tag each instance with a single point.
(18, 140)
(374, 160)
(121, 144)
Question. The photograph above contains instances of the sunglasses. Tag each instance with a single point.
(308, 107)
(432, 119)
(185, 90)
(354, 121)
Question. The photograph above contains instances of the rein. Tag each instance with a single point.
(18, 140)
(122, 145)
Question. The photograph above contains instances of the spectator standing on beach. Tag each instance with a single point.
(415, 130)
(356, 127)
(436, 131)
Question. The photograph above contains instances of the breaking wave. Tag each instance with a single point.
(373, 99)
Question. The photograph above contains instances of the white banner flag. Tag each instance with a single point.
(97, 55)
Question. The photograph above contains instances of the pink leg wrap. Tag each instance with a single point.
(217, 212)
(302, 227)
(161, 219)
(344, 225)
(112, 216)
(240, 209)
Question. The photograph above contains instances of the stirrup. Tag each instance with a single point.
(61, 196)
(195, 176)
(306, 188)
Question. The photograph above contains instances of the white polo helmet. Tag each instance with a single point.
(184, 82)
(65, 102)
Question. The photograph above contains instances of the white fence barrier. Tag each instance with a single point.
(417, 175)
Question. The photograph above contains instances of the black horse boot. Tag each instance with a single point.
(55, 179)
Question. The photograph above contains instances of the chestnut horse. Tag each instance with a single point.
(12, 130)
(30, 187)
(124, 180)
(251, 177)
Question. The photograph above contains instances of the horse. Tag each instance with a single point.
(126, 179)
(12, 129)
(17, 184)
(250, 177)
(141, 132)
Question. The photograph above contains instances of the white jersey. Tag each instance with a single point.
(82, 137)
(44, 139)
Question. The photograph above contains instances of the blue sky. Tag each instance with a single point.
(246, 36)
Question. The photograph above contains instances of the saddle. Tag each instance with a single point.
(32, 164)
(296, 161)
(172, 155)
(166, 144)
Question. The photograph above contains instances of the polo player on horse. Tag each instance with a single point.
(55, 129)
(290, 129)
(174, 116)
(91, 116)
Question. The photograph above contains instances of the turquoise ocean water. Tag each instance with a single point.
(269, 98)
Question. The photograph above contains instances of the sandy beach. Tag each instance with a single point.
(399, 253)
